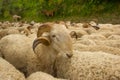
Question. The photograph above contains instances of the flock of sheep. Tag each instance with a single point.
(59, 51)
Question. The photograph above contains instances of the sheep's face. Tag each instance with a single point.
(61, 40)
(58, 38)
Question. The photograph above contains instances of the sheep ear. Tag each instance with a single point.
(42, 40)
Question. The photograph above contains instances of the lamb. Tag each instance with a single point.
(9, 72)
(79, 65)
(42, 76)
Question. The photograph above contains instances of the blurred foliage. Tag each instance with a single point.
(62, 9)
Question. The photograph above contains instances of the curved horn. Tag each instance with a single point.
(42, 40)
(43, 28)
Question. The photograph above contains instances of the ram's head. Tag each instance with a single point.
(55, 36)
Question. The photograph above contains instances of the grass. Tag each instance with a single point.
(74, 10)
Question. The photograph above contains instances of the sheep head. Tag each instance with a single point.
(55, 36)
(94, 25)
(73, 34)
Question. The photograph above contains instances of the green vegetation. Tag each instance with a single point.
(51, 10)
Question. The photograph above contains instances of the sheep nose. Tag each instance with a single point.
(69, 55)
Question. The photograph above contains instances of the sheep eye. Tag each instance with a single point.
(53, 36)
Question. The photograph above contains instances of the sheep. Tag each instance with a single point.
(77, 32)
(88, 66)
(21, 47)
(16, 18)
(110, 28)
(78, 25)
(73, 34)
(51, 39)
(18, 24)
(114, 37)
(85, 42)
(17, 49)
(105, 25)
(107, 33)
(9, 72)
(85, 25)
(5, 25)
(8, 32)
(94, 25)
(91, 24)
(27, 30)
(111, 43)
(94, 48)
(90, 30)
(94, 37)
(63, 23)
(79, 66)
(42, 76)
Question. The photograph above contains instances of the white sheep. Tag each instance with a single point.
(17, 49)
(52, 39)
(5, 25)
(8, 32)
(106, 33)
(9, 72)
(114, 37)
(94, 37)
(77, 32)
(85, 42)
(80, 66)
(90, 30)
(94, 48)
(111, 43)
(42, 76)
(88, 66)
